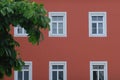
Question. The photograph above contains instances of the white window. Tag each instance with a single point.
(98, 70)
(58, 24)
(25, 73)
(97, 24)
(57, 70)
(19, 32)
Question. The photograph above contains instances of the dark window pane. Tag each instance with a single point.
(54, 66)
(60, 18)
(101, 75)
(19, 75)
(54, 75)
(94, 28)
(60, 75)
(95, 66)
(25, 31)
(60, 66)
(54, 28)
(100, 18)
(94, 18)
(98, 66)
(100, 28)
(19, 30)
(54, 18)
(95, 76)
(60, 28)
(26, 75)
(101, 66)
(25, 67)
(100, 24)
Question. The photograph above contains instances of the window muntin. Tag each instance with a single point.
(19, 32)
(98, 70)
(97, 24)
(57, 70)
(25, 73)
(57, 24)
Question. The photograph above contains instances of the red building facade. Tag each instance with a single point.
(83, 43)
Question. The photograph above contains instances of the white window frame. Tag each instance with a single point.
(30, 71)
(16, 34)
(104, 14)
(99, 63)
(64, 63)
(64, 14)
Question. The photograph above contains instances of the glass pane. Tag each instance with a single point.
(60, 75)
(94, 28)
(54, 66)
(54, 75)
(100, 28)
(19, 30)
(100, 18)
(101, 75)
(25, 67)
(94, 18)
(98, 66)
(60, 18)
(54, 28)
(101, 66)
(25, 31)
(26, 75)
(100, 25)
(95, 66)
(95, 76)
(60, 24)
(19, 75)
(60, 66)
(54, 18)
(60, 28)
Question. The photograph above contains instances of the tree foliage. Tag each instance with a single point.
(30, 16)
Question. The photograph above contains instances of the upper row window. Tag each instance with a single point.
(19, 32)
(58, 25)
(97, 24)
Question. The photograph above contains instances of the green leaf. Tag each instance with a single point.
(3, 12)
(1, 75)
(1, 51)
(18, 64)
(8, 72)
(9, 10)
(2, 70)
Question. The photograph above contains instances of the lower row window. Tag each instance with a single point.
(58, 71)
(25, 73)
(98, 70)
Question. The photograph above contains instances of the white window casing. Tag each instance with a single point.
(18, 75)
(19, 32)
(58, 24)
(97, 24)
(57, 70)
(98, 70)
